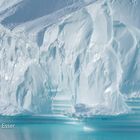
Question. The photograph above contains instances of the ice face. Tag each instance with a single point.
(81, 59)
(125, 36)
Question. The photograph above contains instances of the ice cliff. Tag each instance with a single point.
(79, 57)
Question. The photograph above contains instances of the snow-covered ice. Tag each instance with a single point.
(76, 57)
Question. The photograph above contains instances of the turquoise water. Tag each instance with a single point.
(125, 127)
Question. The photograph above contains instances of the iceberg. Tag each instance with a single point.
(81, 59)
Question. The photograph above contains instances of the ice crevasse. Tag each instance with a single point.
(82, 63)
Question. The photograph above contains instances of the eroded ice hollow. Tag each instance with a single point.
(82, 62)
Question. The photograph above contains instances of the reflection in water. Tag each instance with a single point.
(94, 129)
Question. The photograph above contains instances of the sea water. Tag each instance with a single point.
(124, 127)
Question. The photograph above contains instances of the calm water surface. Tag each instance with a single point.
(126, 127)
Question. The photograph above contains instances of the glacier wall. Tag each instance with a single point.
(81, 59)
